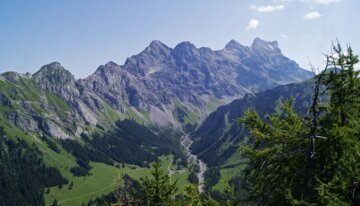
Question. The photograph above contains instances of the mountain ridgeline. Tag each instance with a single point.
(161, 85)
(136, 112)
(183, 84)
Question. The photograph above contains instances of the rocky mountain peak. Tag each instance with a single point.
(157, 46)
(157, 43)
(266, 46)
(185, 50)
(157, 53)
(233, 45)
(54, 73)
(237, 49)
(185, 46)
(108, 66)
(111, 64)
(55, 78)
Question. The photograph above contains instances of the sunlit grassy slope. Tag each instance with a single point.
(103, 180)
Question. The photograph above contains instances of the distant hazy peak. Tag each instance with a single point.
(233, 44)
(185, 49)
(157, 45)
(185, 44)
(111, 64)
(259, 44)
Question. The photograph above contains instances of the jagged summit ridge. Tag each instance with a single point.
(173, 86)
(158, 77)
(269, 46)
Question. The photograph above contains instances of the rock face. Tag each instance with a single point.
(162, 86)
(157, 78)
(54, 78)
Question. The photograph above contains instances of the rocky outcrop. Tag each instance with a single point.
(53, 130)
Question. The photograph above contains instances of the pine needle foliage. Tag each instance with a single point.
(158, 190)
(295, 160)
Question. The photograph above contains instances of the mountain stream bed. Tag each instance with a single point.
(186, 142)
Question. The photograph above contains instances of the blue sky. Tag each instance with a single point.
(84, 34)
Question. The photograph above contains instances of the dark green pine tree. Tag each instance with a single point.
(338, 159)
(294, 161)
(276, 168)
(157, 190)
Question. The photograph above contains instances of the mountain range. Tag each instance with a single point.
(161, 86)
(122, 117)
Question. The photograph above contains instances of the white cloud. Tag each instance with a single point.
(268, 8)
(283, 0)
(253, 24)
(312, 15)
(325, 1)
(284, 36)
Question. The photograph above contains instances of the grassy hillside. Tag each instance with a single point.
(103, 179)
(22, 97)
